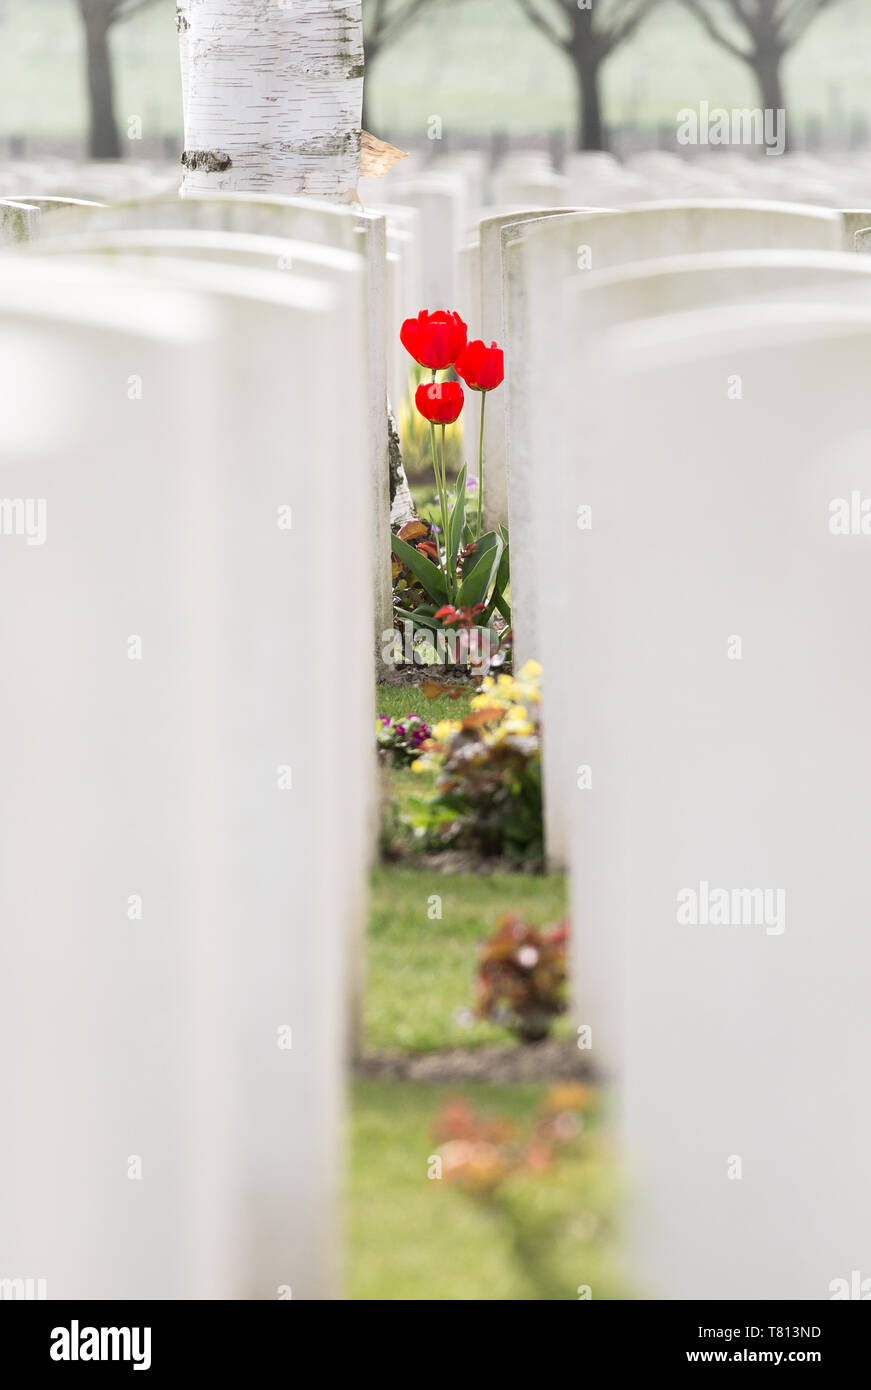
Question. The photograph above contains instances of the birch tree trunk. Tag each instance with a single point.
(273, 93)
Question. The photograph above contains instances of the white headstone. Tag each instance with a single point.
(302, 220)
(19, 222)
(488, 323)
(185, 688)
(644, 289)
(405, 297)
(717, 683)
(542, 260)
(853, 221)
(440, 199)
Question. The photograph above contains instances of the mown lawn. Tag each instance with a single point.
(538, 1236)
(412, 1237)
(420, 969)
(399, 700)
(425, 927)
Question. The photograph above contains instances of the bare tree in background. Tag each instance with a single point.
(98, 16)
(760, 33)
(588, 36)
(384, 21)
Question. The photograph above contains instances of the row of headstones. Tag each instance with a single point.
(217, 310)
(595, 178)
(689, 489)
(194, 395)
(527, 177)
(522, 176)
(434, 217)
(99, 180)
(555, 285)
(433, 212)
(492, 278)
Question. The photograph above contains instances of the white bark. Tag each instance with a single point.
(272, 93)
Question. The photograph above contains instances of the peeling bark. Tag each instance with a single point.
(210, 161)
(402, 506)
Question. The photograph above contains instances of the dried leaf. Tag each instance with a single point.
(433, 691)
(481, 716)
(377, 158)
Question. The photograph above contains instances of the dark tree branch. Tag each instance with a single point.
(798, 19)
(125, 8)
(543, 24)
(702, 13)
(625, 28)
(773, 26)
(384, 23)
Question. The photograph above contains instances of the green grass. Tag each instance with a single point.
(420, 970)
(403, 784)
(415, 1238)
(399, 700)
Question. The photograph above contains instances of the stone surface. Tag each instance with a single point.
(712, 522)
(175, 901)
(542, 260)
(301, 220)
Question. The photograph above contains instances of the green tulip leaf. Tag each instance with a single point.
(480, 568)
(430, 576)
(457, 519)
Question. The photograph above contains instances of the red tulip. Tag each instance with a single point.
(481, 367)
(434, 340)
(440, 402)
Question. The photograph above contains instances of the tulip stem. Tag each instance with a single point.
(481, 466)
(449, 561)
(443, 505)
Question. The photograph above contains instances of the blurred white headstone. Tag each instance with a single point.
(19, 222)
(303, 220)
(542, 260)
(186, 685)
(488, 324)
(717, 684)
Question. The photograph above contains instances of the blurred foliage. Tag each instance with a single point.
(488, 775)
(415, 436)
(523, 977)
(544, 1233)
(420, 969)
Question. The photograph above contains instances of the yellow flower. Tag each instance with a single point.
(529, 672)
(569, 1096)
(516, 728)
(444, 729)
(487, 702)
